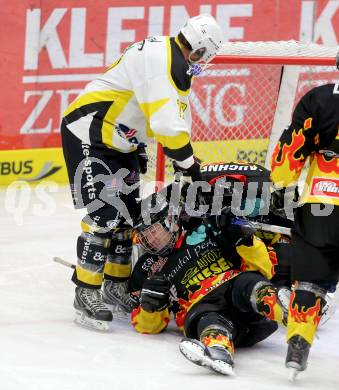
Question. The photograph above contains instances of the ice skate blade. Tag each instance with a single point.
(83, 320)
(118, 312)
(196, 354)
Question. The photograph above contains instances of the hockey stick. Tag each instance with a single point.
(272, 228)
(63, 262)
(66, 263)
(261, 225)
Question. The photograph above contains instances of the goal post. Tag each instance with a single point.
(244, 100)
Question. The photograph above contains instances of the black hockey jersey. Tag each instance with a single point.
(314, 132)
(195, 268)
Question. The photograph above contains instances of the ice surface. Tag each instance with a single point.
(42, 349)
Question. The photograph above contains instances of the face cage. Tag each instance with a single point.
(157, 239)
(198, 54)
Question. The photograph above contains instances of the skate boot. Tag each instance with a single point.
(332, 301)
(217, 358)
(116, 295)
(297, 354)
(90, 310)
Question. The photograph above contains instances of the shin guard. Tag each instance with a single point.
(271, 301)
(119, 260)
(305, 310)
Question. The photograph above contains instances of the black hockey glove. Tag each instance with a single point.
(277, 199)
(278, 206)
(223, 219)
(193, 171)
(237, 231)
(154, 294)
(142, 158)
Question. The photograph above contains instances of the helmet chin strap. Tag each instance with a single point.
(196, 68)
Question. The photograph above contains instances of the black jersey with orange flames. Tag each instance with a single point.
(314, 133)
(195, 268)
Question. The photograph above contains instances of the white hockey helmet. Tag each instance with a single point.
(205, 37)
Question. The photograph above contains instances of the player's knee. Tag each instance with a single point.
(92, 244)
(100, 223)
(92, 249)
(242, 289)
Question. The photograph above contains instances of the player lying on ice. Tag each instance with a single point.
(216, 282)
(255, 198)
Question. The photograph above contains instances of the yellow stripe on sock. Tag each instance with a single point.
(89, 277)
(118, 270)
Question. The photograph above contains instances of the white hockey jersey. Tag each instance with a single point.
(144, 94)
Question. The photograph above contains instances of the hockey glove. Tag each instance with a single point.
(238, 231)
(142, 158)
(223, 219)
(281, 201)
(193, 171)
(277, 199)
(155, 293)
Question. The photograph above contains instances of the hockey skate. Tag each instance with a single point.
(297, 354)
(90, 310)
(115, 295)
(216, 358)
(332, 301)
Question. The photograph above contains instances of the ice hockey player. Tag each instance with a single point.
(314, 133)
(143, 95)
(247, 187)
(217, 287)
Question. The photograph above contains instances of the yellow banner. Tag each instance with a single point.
(249, 150)
(32, 166)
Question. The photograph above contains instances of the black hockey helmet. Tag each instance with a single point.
(157, 228)
(248, 181)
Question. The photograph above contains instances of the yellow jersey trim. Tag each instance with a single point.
(256, 257)
(150, 108)
(150, 323)
(173, 142)
(118, 99)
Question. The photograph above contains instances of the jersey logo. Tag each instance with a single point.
(182, 108)
(131, 133)
(127, 133)
(325, 187)
(216, 167)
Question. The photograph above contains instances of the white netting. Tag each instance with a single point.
(233, 105)
(283, 49)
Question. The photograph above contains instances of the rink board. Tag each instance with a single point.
(47, 164)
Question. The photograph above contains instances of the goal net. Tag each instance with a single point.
(241, 104)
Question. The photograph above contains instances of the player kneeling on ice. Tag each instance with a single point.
(217, 287)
